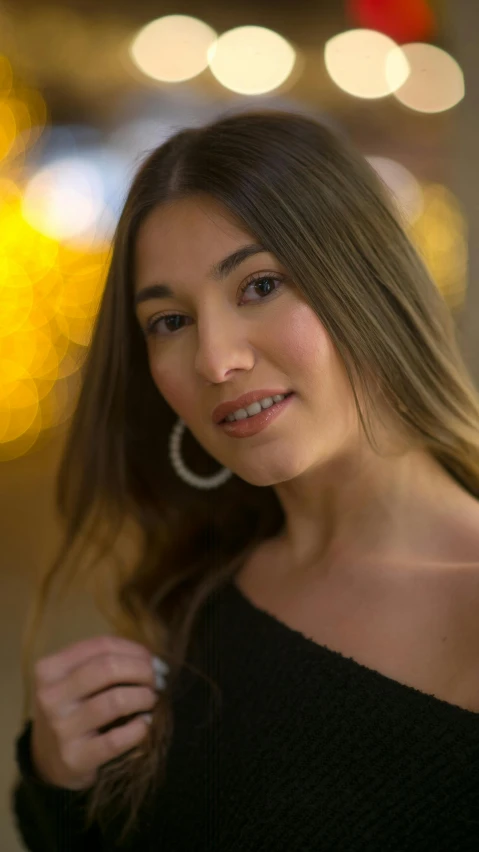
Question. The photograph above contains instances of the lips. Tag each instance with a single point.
(221, 411)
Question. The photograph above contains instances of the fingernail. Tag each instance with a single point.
(160, 668)
(160, 682)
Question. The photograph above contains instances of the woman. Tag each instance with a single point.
(312, 604)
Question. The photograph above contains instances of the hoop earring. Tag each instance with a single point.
(182, 471)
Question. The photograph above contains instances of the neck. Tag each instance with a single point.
(371, 509)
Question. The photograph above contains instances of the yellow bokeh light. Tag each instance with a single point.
(9, 192)
(8, 129)
(4, 420)
(16, 296)
(49, 298)
(251, 60)
(40, 279)
(357, 61)
(37, 113)
(23, 124)
(79, 298)
(24, 442)
(173, 48)
(77, 329)
(32, 349)
(18, 394)
(83, 282)
(440, 234)
(59, 405)
(436, 82)
(19, 240)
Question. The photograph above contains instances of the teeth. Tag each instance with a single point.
(255, 407)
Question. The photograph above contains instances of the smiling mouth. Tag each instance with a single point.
(250, 416)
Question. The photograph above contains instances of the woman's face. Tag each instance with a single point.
(220, 343)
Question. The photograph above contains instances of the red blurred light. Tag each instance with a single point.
(402, 20)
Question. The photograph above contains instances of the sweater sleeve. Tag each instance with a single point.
(48, 818)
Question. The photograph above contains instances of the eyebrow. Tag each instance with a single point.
(219, 271)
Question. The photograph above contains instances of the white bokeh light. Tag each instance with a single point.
(173, 48)
(404, 187)
(357, 61)
(436, 82)
(251, 60)
(64, 199)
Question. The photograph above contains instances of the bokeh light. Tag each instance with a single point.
(49, 298)
(440, 234)
(64, 199)
(357, 61)
(405, 188)
(402, 20)
(173, 48)
(436, 82)
(18, 399)
(8, 128)
(251, 60)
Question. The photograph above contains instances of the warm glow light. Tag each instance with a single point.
(173, 48)
(78, 302)
(50, 289)
(49, 298)
(16, 295)
(406, 190)
(357, 62)
(251, 60)
(31, 349)
(436, 82)
(18, 398)
(402, 20)
(8, 129)
(65, 199)
(441, 236)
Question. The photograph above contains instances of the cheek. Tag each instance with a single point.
(175, 393)
(312, 357)
(305, 343)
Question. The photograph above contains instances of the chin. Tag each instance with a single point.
(268, 476)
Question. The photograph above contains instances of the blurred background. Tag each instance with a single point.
(86, 90)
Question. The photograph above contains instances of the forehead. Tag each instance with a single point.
(184, 236)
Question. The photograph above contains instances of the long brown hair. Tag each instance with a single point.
(318, 206)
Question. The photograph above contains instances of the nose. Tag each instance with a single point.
(222, 346)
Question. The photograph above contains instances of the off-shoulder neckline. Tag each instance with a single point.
(353, 665)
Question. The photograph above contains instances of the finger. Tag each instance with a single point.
(87, 755)
(107, 707)
(55, 667)
(101, 673)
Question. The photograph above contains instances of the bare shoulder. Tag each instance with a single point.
(461, 569)
(464, 575)
(464, 600)
(464, 585)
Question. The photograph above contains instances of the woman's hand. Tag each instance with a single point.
(78, 692)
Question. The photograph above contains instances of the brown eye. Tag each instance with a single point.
(170, 323)
(265, 282)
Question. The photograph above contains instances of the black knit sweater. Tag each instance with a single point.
(307, 750)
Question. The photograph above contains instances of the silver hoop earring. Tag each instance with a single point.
(182, 471)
